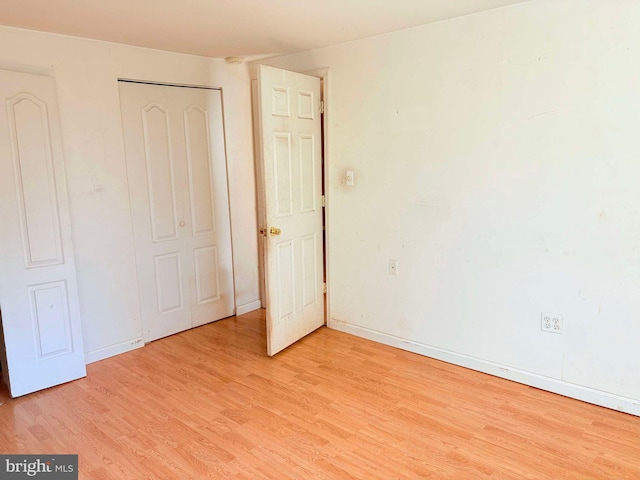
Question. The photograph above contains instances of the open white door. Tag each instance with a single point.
(38, 292)
(291, 149)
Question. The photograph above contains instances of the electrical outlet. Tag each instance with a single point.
(551, 322)
(393, 267)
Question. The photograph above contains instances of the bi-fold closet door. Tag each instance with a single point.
(176, 167)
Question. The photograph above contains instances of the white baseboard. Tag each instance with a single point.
(589, 395)
(113, 350)
(248, 307)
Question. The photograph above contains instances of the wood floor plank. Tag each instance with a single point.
(209, 404)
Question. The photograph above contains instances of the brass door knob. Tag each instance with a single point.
(275, 231)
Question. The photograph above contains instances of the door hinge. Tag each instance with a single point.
(324, 288)
(321, 106)
(324, 202)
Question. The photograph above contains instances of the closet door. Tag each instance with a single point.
(174, 140)
(38, 292)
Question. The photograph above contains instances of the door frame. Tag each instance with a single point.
(226, 163)
(323, 75)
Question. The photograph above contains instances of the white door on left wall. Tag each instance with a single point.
(176, 167)
(38, 292)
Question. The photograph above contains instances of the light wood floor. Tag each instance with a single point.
(208, 403)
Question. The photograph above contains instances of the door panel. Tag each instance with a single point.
(200, 177)
(310, 272)
(38, 205)
(174, 139)
(169, 282)
(282, 173)
(160, 177)
(50, 311)
(38, 291)
(291, 164)
(207, 274)
(286, 275)
(308, 194)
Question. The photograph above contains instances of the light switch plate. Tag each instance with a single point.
(350, 178)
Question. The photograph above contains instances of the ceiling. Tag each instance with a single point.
(221, 28)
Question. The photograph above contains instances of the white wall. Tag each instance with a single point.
(86, 74)
(497, 158)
